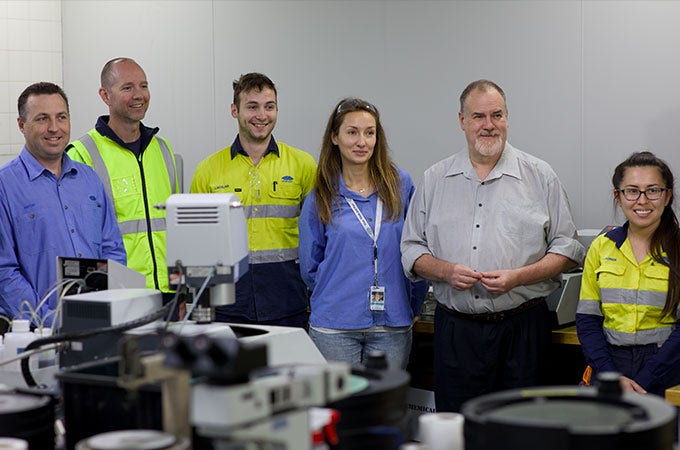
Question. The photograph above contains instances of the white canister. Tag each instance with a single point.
(7, 443)
(442, 431)
(16, 342)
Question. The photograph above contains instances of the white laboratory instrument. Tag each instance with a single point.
(207, 238)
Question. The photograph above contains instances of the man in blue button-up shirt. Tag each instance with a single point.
(49, 206)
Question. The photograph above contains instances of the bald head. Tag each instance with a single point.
(108, 76)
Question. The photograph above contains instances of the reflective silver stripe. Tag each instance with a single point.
(633, 297)
(167, 157)
(179, 164)
(640, 337)
(272, 211)
(98, 163)
(268, 256)
(589, 307)
(139, 225)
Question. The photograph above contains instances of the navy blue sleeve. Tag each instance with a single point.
(662, 370)
(593, 342)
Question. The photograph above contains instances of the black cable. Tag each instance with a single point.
(25, 369)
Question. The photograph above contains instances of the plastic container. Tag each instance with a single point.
(48, 357)
(2, 352)
(29, 418)
(7, 443)
(15, 343)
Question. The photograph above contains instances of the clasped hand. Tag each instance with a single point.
(497, 282)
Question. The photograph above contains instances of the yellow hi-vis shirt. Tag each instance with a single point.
(628, 295)
(271, 193)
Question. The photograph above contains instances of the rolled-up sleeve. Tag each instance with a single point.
(413, 238)
(562, 236)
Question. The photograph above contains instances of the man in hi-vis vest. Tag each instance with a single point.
(136, 166)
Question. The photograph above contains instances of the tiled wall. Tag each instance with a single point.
(30, 51)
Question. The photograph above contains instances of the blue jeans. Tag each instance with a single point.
(353, 346)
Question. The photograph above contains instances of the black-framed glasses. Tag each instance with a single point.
(354, 104)
(632, 194)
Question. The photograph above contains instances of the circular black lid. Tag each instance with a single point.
(568, 417)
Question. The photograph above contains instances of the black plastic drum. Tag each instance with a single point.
(568, 418)
(28, 417)
(379, 404)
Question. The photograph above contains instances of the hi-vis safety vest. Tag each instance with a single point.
(135, 186)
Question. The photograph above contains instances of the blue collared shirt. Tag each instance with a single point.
(337, 264)
(42, 217)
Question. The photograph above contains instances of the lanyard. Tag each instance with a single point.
(367, 228)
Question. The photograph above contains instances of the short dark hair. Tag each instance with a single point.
(481, 85)
(251, 81)
(106, 77)
(41, 88)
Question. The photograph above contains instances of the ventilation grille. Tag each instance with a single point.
(191, 215)
(87, 310)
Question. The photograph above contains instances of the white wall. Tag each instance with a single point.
(30, 51)
(588, 82)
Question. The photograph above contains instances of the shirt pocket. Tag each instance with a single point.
(289, 192)
(609, 275)
(657, 277)
(125, 186)
(35, 231)
(92, 214)
(524, 221)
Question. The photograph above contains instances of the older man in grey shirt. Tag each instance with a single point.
(492, 229)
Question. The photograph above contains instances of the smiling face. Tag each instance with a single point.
(256, 114)
(484, 121)
(356, 138)
(46, 127)
(643, 214)
(127, 95)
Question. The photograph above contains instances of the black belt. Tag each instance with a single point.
(494, 316)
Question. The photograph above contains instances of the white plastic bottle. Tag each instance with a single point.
(48, 357)
(2, 351)
(13, 443)
(16, 342)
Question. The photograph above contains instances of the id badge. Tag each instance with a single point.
(377, 298)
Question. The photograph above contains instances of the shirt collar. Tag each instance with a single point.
(508, 164)
(146, 133)
(237, 148)
(35, 169)
(618, 234)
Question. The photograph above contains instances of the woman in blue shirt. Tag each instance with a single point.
(350, 230)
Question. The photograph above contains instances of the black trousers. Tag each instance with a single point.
(473, 357)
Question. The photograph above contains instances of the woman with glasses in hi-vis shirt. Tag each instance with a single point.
(628, 309)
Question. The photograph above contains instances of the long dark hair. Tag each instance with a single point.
(383, 172)
(666, 237)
